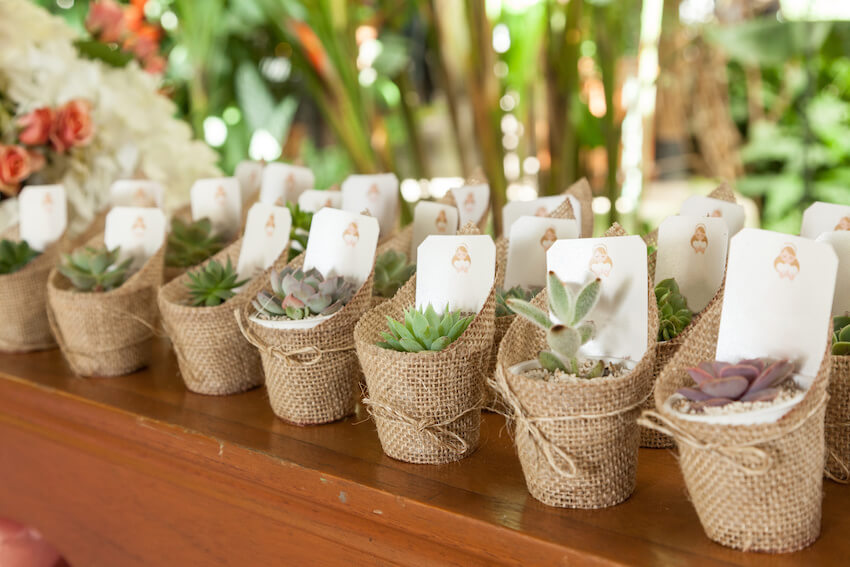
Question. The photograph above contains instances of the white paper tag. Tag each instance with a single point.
(778, 299)
(313, 200)
(138, 231)
(266, 235)
(283, 183)
(622, 312)
(136, 193)
(377, 194)
(530, 239)
(220, 200)
(43, 214)
(457, 271)
(840, 242)
(342, 243)
(472, 202)
(250, 176)
(538, 208)
(824, 217)
(431, 218)
(700, 206)
(692, 250)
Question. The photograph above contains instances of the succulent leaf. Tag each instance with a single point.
(213, 284)
(190, 244)
(530, 312)
(560, 299)
(15, 255)
(296, 294)
(751, 380)
(94, 269)
(588, 297)
(673, 312)
(551, 362)
(564, 340)
(392, 270)
(516, 292)
(424, 330)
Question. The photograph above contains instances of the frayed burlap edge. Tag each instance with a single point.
(426, 406)
(756, 487)
(577, 440)
(107, 333)
(213, 356)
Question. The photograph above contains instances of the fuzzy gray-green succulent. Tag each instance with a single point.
(565, 338)
(296, 294)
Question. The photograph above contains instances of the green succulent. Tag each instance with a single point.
(841, 336)
(516, 292)
(424, 330)
(392, 270)
(15, 255)
(298, 295)
(564, 339)
(213, 284)
(192, 243)
(673, 312)
(94, 269)
(300, 231)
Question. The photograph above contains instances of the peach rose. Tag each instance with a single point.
(105, 21)
(35, 127)
(72, 126)
(15, 166)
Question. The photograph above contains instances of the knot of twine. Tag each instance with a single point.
(437, 431)
(527, 425)
(736, 454)
(287, 356)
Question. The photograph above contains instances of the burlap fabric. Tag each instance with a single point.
(577, 439)
(311, 374)
(838, 420)
(23, 302)
(426, 405)
(213, 356)
(584, 194)
(754, 487)
(106, 333)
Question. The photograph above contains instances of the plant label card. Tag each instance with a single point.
(692, 250)
(778, 299)
(266, 236)
(530, 240)
(43, 213)
(250, 176)
(138, 231)
(377, 194)
(455, 271)
(700, 206)
(312, 200)
(824, 217)
(342, 244)
(136, 193)
(472, 202)
(621, 315)
(431, 218)
(220, 200)
(541, 207)
(840, 242)
(283, 183)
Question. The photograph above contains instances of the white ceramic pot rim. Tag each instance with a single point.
(308, 323)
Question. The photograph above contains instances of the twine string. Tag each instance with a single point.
(287, 356)
(845, 477)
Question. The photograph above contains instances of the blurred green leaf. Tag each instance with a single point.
(254, 98)
(112, 56)
(767, 41)
(394, 56)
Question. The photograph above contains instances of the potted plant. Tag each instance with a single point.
(574, 416)
(104, 317)
(838, 409)
(197, 313)
(188, 244)
(392, 270)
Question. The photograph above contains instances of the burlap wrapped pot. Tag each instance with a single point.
(754, 487)
(838, 420)
(23, 302)
(577, 439)
(213, 356)
(311, 374)
(106, 333)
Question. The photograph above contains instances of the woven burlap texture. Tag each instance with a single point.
(106, 333)
(23, 302)
(838, 420)
(427, 405)
(213, 356)
(754, 487)
(311, 374)
(577, 439)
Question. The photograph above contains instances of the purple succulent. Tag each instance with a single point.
(751, 380)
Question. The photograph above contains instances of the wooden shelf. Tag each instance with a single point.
(138, 471)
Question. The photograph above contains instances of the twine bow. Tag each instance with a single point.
(438, 431)
(287, 356)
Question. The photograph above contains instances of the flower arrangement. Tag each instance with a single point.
(125, 33)
(92, 122)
